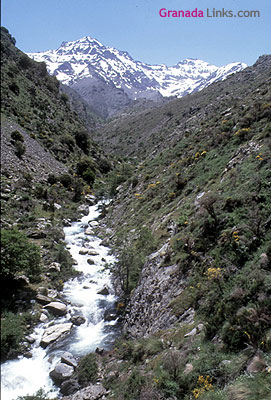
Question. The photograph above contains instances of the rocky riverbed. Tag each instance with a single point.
(76, 321)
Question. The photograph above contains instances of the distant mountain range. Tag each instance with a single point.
(111, 79)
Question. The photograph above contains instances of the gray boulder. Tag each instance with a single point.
(68, 358)
(83, 251)
(69, 387)
(56, 308)
(61, 373)
(52, 333)
(78, 320)
(91, 200)
(93, 253)
(104, 291)
(43, 318)
(42, 299)
(54, 267)
(92, 392)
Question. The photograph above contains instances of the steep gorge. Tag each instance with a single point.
(189, 222)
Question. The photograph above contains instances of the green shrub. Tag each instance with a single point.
(66, 180)
(89, 176)
(68, 140)
(17, 136)
(12, 332)
(25, 62)
(19, 149)
(19, 256)
(39, 395)
(52, 179)
(82, 140)
(86, 169)
(87, 369)
(64, 97)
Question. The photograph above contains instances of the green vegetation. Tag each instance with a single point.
(19, 256)
(87, 369)
(203, 186)
(40, 395)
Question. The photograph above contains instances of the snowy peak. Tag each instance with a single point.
(87, 58)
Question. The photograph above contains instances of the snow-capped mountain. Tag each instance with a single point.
(87, 62)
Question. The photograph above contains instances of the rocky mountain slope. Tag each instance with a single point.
(194, 244)
(112, 78)
(48, 165)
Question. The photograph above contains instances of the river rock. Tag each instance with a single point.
(78, 320)
(52, 333)
(68, 358)
(52, 293)
(90, 199)
(92, 392)
(83, 251)
(93, 253)
(104, 291)
(110, 315)
(57, 308)
(28, 354)
(69, 387)
(93, 224)
(43, 299)
(43, 318)
(84, 209)
(90, 261)
(61, 373)
(54, 267)
(30, 339)
(89, 231)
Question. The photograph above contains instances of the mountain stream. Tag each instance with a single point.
(27, 375)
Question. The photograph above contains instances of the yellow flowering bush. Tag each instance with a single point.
(213, 273)
(204, 384)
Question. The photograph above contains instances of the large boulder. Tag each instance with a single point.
(78, 320)
(91, 200)
(69, 387)
(93, 224)
(68, 358)
(43, 318)
(93, 253)
(84, 209)
(61, 373)
(42, 299)
(57, 308)
(52, 333)
(83, 251)
(92, 392)
(104, 291)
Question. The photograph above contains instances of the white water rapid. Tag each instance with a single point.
(27, 375)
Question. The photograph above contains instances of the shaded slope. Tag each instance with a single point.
(150, 131)
(198, 308)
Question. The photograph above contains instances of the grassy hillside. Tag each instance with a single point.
(202, 190)
(149, 131)
(49, 162)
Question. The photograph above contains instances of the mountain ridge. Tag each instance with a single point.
(87, 58)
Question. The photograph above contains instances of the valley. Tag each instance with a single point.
(185, 185)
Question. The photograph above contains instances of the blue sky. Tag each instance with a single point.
(135, 26)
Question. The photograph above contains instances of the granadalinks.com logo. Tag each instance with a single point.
(208, 13)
